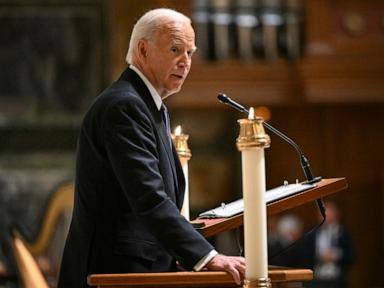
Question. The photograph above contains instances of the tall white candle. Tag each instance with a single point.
(255, 220)
(251, 142)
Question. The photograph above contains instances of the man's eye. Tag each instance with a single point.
(174, 49)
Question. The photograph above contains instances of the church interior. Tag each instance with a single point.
(313, 69)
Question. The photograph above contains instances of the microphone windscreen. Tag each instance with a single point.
(222, 97)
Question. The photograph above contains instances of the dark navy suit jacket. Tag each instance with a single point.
(128, 192)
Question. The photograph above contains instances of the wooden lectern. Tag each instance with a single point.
(281, 277)
(325, 187)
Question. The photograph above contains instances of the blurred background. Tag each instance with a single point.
(312, 68)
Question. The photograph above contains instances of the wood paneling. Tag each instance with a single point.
(337, 67)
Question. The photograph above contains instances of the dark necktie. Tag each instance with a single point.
(167, 123)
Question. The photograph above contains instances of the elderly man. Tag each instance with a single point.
(129, 181)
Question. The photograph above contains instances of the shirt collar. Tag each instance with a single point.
(155, 95)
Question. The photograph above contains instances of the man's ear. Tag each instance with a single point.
(142, 48)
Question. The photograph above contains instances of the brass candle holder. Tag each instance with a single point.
(261, 282)
(252, 133)
(181, 143)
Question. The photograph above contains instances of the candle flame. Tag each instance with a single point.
(178, 130)
(251, 114)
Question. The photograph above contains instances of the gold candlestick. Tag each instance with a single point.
(261, 282)
(251, 142)
(180, 141)
(252, 133)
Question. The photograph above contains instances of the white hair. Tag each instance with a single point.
(149, 23)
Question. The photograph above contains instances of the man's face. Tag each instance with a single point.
(169, 57)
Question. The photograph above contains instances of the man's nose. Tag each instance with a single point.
(184, 60)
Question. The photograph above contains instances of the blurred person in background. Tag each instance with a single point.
(290, 231)
(332, 252)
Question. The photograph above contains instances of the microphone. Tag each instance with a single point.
(303, 160)
(226, 100)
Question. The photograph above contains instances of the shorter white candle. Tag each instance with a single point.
(185, 207)
(184, 164)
